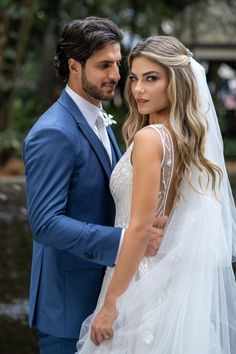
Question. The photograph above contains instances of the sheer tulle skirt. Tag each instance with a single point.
(185, 303)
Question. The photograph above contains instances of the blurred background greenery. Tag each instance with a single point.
(29, 30)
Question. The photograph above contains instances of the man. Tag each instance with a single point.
(69, 156)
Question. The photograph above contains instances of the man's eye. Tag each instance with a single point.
(119, 64)
(105, 66)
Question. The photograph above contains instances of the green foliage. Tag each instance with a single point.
(230, 148)
(26, 113)
(11, 139)
(4, 3)
(139, 18)
(9, 54)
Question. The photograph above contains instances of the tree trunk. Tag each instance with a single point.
(15, 24)
(47, 77)
(47, 82)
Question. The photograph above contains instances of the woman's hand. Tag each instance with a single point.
(101, 328)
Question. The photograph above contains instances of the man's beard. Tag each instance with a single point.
(94, 91)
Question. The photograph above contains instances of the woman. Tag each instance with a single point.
(182, 301)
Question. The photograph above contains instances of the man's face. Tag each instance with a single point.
(97, 79)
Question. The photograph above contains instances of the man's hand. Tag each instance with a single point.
(156, 236)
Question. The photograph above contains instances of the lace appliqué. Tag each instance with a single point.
(121, 188)
(167, 167)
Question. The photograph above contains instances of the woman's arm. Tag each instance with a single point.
(146, 158)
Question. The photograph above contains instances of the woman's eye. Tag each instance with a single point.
(151, 78)
(132, 78)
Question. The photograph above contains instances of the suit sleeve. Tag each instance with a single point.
(49, 158)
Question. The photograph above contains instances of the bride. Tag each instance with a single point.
(183, 300)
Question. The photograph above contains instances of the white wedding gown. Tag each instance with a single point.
(183, 300)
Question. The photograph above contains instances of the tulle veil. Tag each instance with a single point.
(186, 302)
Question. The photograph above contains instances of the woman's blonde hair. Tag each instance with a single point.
(186, 120)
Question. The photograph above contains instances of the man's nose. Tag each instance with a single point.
(114, 73)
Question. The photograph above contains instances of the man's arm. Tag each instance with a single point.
(49, 157)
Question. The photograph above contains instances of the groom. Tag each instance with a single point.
(69, 155)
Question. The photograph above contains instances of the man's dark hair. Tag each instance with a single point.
(81, 39)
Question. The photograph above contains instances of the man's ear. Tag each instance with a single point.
(74, 66)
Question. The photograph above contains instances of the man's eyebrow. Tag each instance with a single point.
(109, 61)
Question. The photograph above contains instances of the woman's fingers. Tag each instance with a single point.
(93, 336)
(98, 335)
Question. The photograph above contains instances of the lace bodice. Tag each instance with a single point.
(121, 186)
(121, 179)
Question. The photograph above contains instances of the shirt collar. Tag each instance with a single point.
(89, 110)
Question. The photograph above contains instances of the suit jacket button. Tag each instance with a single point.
(88, 256)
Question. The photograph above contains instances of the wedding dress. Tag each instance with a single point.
(160, 313)
(183, 300)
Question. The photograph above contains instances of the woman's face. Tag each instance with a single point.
(149, 82)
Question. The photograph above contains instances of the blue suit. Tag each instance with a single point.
(71, 213)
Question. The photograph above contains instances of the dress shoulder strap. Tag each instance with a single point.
(167, 143)
(167, 165)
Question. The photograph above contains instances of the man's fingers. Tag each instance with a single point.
(160, 222)
(155, 242)
(157, 233)
(153, 247)
(156, 236)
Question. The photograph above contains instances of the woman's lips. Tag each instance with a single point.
(141, 101)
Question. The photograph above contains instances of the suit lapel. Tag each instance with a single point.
(89, 134)
(98, 147)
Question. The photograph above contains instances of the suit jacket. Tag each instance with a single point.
(71, 213)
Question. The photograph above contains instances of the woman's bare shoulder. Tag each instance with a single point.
(147, 142)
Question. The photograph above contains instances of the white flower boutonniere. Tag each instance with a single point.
(108, 118)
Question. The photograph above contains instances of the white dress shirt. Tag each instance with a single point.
(93, 115)
(90, 113)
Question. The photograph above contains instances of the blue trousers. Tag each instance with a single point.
(53, 345)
